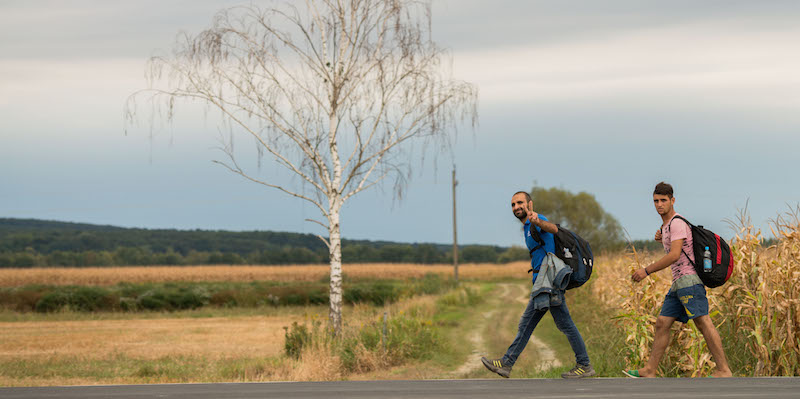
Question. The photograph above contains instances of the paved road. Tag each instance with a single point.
(616, 388)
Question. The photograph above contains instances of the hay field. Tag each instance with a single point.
(136, 351)
(183, 350)
(211, 338)
(104, 276)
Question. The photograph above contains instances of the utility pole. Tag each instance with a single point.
(455, 234)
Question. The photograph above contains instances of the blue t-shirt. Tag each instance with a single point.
(539, 254)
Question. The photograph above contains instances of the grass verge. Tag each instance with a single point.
(122, 369)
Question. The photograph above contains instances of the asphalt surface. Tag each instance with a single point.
(617, 388)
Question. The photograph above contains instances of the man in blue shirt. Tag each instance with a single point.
(535, 224)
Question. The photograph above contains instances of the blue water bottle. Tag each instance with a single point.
(707, 261)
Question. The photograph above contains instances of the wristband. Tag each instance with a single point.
(645, 270)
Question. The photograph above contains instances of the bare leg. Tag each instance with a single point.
(660, 342)
(714, 343)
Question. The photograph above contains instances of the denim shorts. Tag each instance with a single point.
(686, 303)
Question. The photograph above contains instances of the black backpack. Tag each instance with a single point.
(574, 251)
(721, 258)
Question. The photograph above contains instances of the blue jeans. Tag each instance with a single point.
(527, 323)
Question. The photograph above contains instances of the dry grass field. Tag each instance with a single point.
(185, 349)
(211, 338)
(104, 276)
(89, 352)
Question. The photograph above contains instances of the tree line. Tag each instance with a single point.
(37, 243)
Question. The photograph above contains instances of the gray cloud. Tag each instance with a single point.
(477, 24)
(47, 29)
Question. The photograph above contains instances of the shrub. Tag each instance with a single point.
(152, 300)
(20, 299)
(411, 337)
(378, 293)
(132, 297)
(298, 295)
(174, 298)
(296, 337)
(84, 299)
(224, 298)
(463, 297)
(431, 284)
(92, 299)
(52, 302)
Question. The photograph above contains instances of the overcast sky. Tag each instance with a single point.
(605, 97)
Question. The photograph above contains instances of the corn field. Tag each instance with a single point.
(757, 312)
(764, 299)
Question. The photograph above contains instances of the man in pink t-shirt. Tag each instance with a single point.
(686, 299)
(676, 229)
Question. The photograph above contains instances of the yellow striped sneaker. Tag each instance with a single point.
(580, 371)
(497, 366)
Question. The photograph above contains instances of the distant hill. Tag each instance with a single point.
(48, 236)
(13, 225)
(33, 242)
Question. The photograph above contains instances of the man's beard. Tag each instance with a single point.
(523, 217)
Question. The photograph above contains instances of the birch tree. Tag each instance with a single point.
(334, 91)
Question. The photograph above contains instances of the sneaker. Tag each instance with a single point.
(579, 371)
(497, 366)
(632, 373)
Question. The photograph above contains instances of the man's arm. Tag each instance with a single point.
(666, 260)
(543, 224)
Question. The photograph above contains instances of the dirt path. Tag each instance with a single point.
(478, 348)
(509, 293)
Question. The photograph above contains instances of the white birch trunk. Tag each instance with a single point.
(335, 240)
(335, 202)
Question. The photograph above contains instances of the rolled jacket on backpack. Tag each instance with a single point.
(549, 287)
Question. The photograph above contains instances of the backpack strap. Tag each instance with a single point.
(537, 238)
(690, 227)
(682, 218)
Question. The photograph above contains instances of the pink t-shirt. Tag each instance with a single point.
(675, 230)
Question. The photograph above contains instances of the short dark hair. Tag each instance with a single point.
(663, 189)
(527, 195)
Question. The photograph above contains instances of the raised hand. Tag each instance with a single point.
(532, 216)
